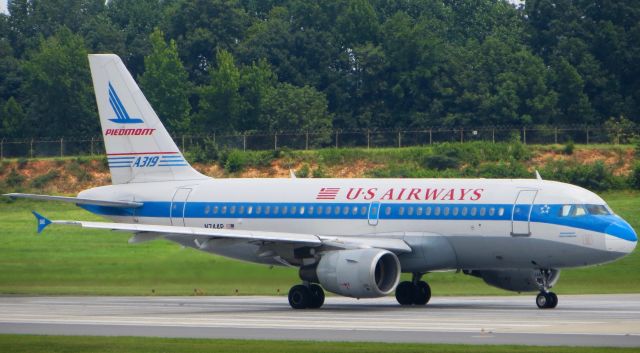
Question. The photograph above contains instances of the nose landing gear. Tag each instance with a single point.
(415, 292)
(546, 299)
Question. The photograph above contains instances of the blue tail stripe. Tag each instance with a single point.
(117, 106)
(115, 109)
(119, 103)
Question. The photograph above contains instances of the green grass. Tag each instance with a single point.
(79, 344)
(69, 261)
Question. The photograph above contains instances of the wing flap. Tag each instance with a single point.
(76, 200)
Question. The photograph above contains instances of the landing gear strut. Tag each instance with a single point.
(306, 296)
(415, 292)
(546, 299)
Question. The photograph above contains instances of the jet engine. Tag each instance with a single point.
(359, 273)
(517, 280)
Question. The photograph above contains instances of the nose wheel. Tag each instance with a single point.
(306, 296)
(413, 292)
(547, 300)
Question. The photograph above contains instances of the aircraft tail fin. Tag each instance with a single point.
(139, 148)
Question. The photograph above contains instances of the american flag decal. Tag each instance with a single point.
(328, 194)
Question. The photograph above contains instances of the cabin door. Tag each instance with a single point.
(374, 213)
(178, 206)
(521, 213)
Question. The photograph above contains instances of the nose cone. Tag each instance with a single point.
(621, 237)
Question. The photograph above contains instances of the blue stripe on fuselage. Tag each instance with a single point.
(341, 210)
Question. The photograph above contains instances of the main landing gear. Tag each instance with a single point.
(415, 292)
(546, 299)
(306, 296)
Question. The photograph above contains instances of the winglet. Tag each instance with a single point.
(43, 221)
(538, 175)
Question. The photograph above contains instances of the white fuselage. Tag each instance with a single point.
(450, 223)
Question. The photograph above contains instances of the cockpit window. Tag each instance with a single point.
(572, 211)
(598, 210)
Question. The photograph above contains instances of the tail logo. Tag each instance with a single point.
(122, 117)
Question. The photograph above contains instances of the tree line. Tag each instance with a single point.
(272, 65)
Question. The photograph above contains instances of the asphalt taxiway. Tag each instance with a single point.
(583, 320)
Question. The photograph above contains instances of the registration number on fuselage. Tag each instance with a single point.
(214, 225)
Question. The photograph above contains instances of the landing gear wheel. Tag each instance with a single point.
(317, 296)
(422, 293)
(300, 297)
(405, 292)
(554, 300)
(547, 300)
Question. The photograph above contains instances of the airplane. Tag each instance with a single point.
(351, 237)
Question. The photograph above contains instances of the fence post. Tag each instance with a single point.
(368, 139)
(2, 149)
(493, 135)
(587, 128)
(555, 135)
(275, 140)
(244, 141)
(91, 148)
(306, 141)
(461, 135)
(336, 138)
(399, 138)
(61, 147)
(31, 148)
(214, 137)
(430, 136)
(524, 135)
(182, 143)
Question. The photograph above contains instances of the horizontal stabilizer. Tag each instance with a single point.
(43, 221)
(77, 200)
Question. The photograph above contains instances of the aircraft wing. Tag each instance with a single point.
(145, 232)
(76, 200)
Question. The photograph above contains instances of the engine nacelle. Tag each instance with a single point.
(517, 280)
(360, 273)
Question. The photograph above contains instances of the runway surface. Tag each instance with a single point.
(589, 320)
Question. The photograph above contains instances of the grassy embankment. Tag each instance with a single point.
(80, 344)
(68, 260)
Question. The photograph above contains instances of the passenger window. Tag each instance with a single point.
(301, 210)
(215, 209)
(311, 208)
(474, 211)
(354, 210)
(336, 210)
(224, 210)
(232, 210)
(492, 211)
(483, 211)
(401, 211)
(345, 210)
(276, 209)
(419, 212)
(293, 209)
(207, 209)
(267, 209)
(501, 211)
(319, 210)
(427, 211)
(455, 211)
(445, 211)
(258, 209)
(464, 211)
(363, 210)
(241, 210)
(327, 210)
(436, 212)
(387, 210)
(250, 210)
(284, 209)
(410, 211)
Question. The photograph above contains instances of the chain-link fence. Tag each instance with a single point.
(297, 140)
